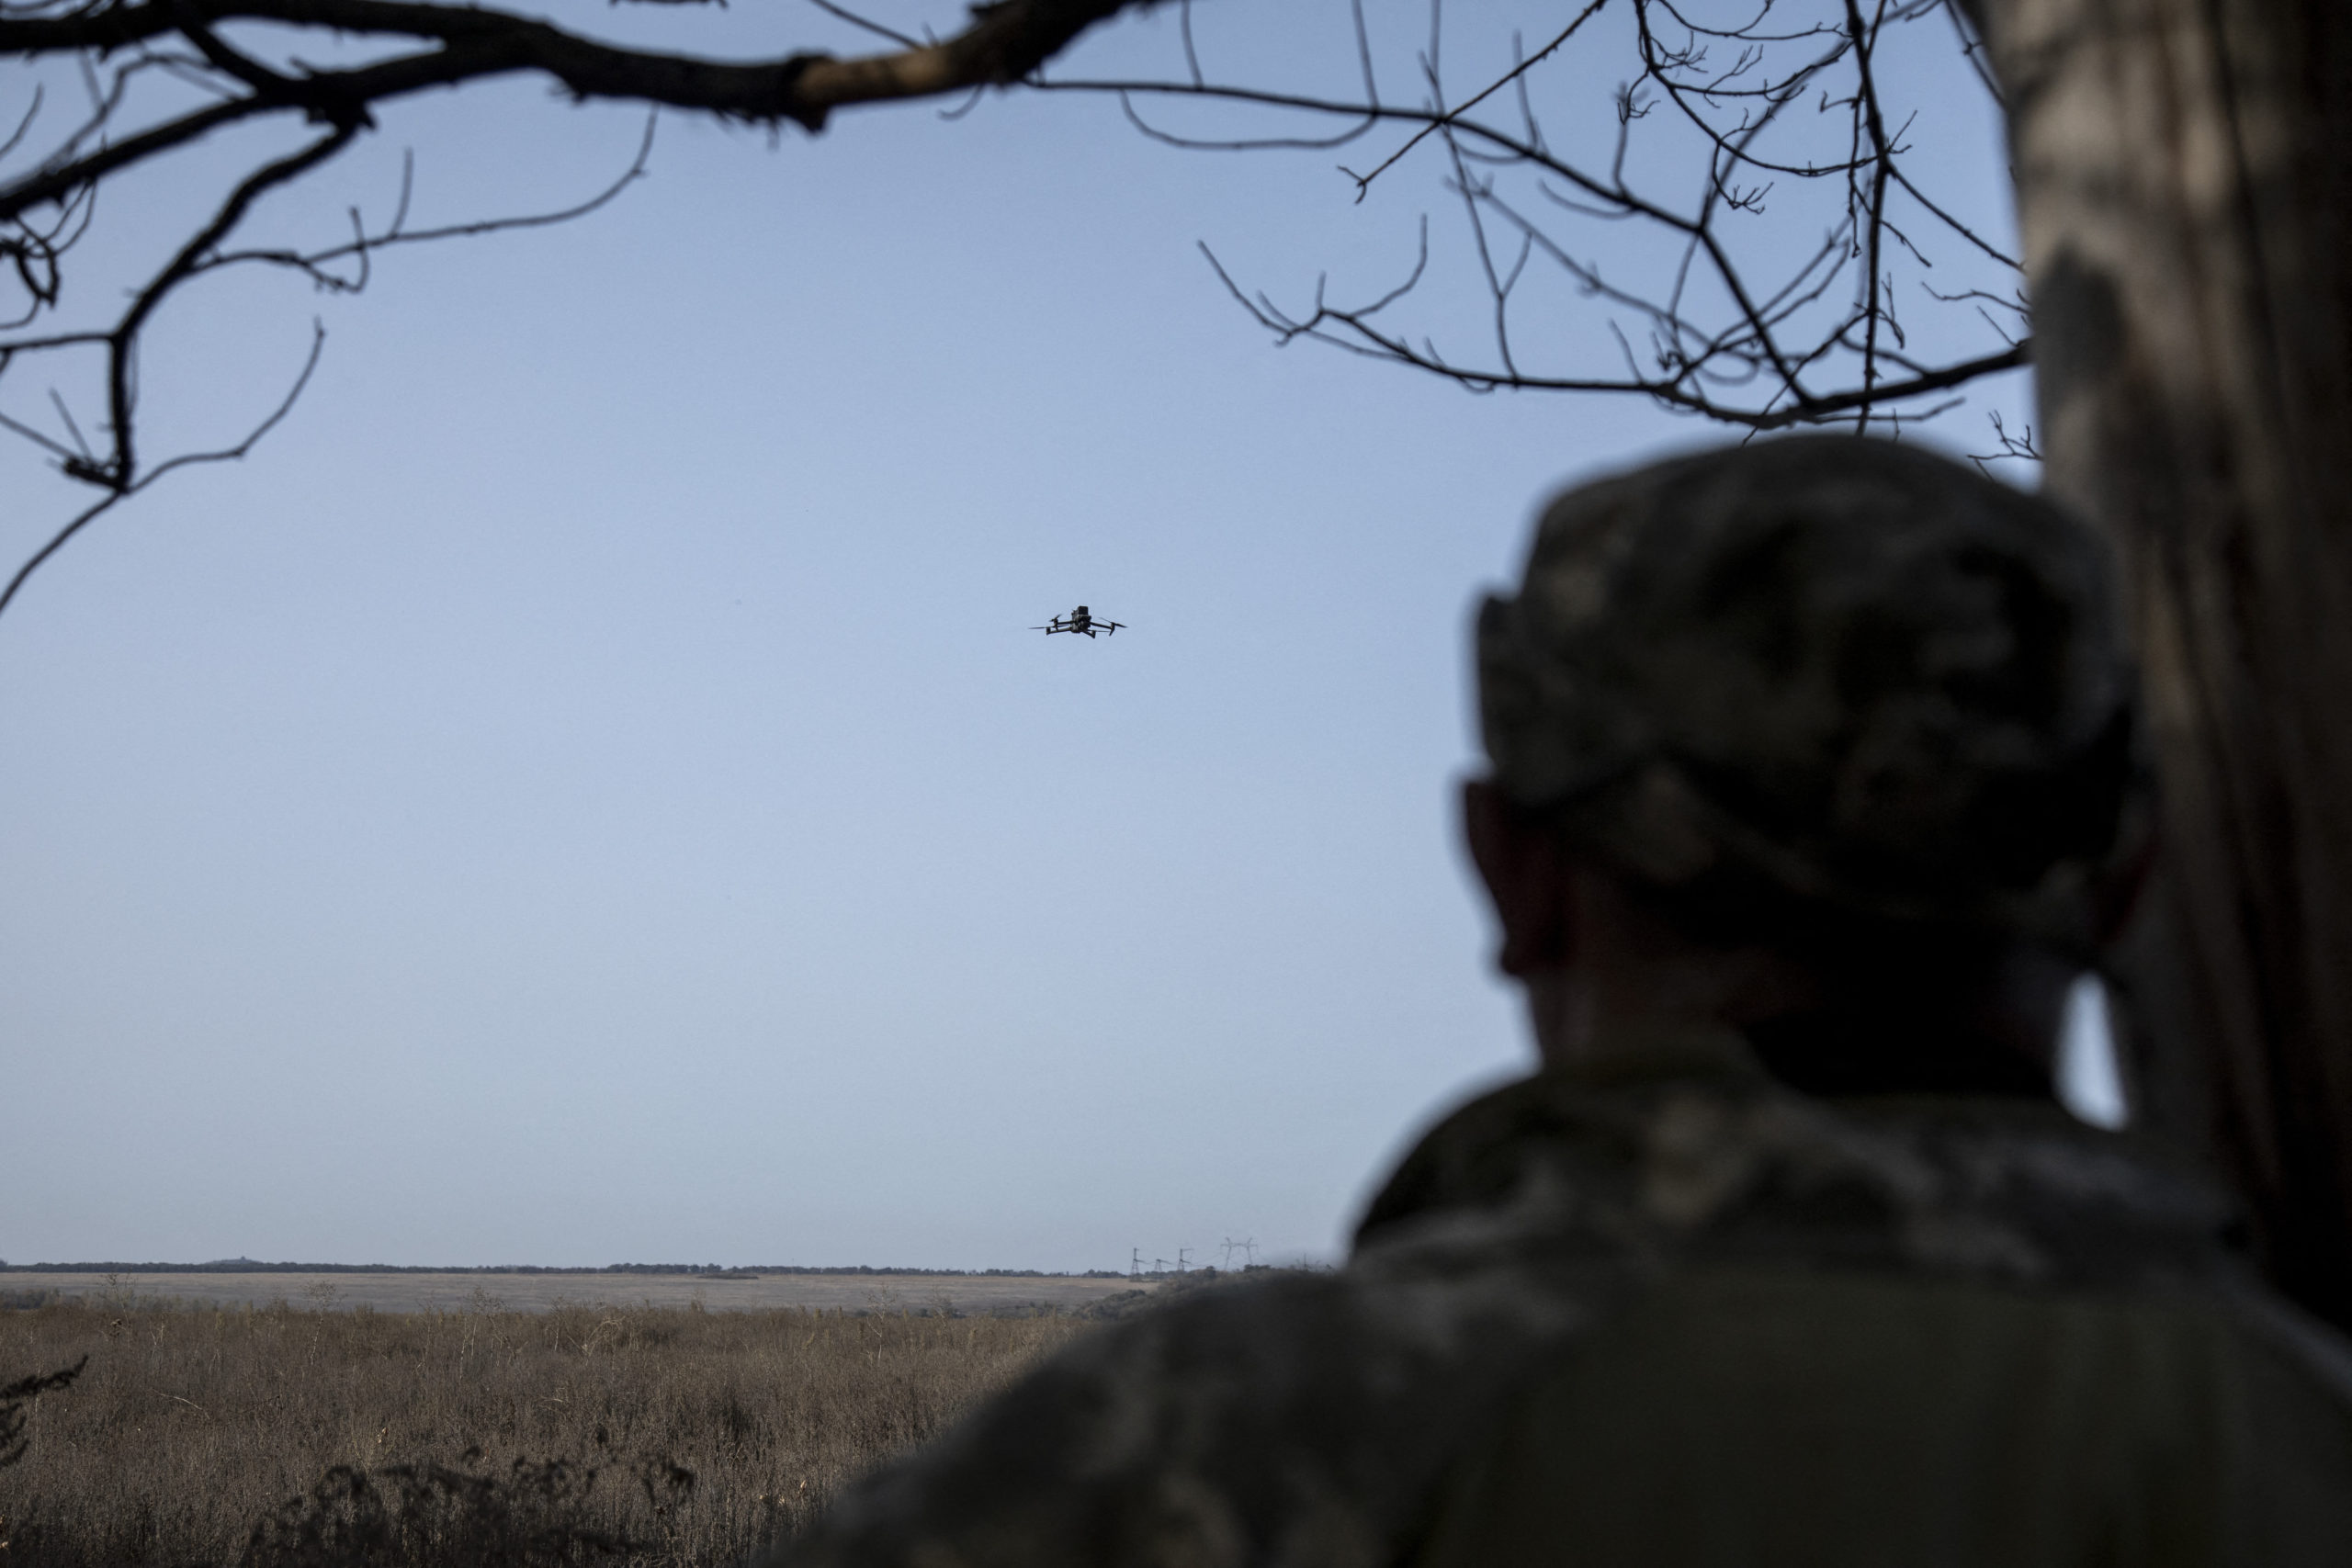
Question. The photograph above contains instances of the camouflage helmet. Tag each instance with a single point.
(1866, 676)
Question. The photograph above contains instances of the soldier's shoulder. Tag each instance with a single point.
(1723, 1166)
(1305, 1411)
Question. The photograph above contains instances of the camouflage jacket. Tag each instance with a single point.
(1675, 1314)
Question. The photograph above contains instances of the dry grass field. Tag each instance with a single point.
(644, 1435)
(428, 1290)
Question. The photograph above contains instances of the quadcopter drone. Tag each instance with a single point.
(1080, 622)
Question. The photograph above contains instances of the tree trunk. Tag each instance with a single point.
(2184, 173)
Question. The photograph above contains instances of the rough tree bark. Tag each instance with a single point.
(2184, 177)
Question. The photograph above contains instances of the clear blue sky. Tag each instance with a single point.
(585, 790)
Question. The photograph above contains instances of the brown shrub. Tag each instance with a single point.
(588, 1433)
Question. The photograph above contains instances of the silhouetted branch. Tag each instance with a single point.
(116, 494)
(1738, 325)
(1005, 43)
(161, 75)
(16, 1400)
(1629, 257)
(312, 264)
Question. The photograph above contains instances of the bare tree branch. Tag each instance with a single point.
(115, 496)
(1752, 334)
(116, 47)
(1005, 43)
(1627, 258)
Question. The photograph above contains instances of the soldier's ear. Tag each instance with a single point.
(1524, 861)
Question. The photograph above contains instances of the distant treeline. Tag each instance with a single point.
(708, 1271)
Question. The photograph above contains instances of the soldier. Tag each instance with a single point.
(1814, 783)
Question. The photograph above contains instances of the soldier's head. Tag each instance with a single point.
(1814, 736)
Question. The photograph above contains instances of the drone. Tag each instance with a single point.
(1081, 621)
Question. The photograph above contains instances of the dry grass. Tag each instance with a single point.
(707, 1432)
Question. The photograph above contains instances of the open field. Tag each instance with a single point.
(403, 1290)
(690, 1435)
